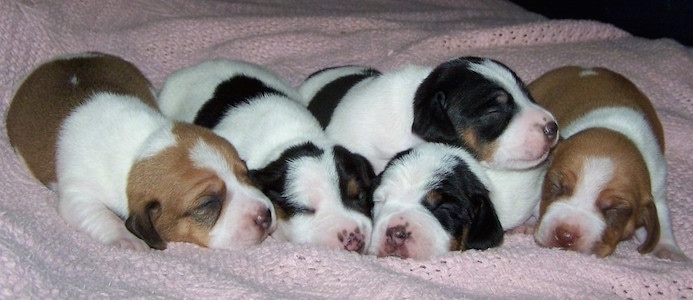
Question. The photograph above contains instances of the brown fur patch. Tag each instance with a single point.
(181, 188)
(47, 95)
(568, 96)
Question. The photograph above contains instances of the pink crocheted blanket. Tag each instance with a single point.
(42, 257)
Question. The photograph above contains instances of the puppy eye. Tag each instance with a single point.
(502, 97)
(208, 210)
(617, 215)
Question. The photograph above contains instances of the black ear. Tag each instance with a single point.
(485, 231)
(140, 224)
(271, 180)
(431, 120)
(356, 177)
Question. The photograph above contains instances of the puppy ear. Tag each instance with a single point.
(431, 120)
(650, 221)
(356, 177)
(140, 224)
(485, 231)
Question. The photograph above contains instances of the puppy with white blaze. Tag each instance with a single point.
(430, 200)
(87, 127)
(606, 179)
(320, 190)
(477, 103)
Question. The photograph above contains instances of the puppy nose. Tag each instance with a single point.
(565, 238)
(352, 241)
(264, 219)
(550, 130)
(396, 236)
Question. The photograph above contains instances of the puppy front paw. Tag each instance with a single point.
(129, 242)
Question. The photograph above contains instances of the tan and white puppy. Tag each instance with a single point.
(606, 180)
(86, 126)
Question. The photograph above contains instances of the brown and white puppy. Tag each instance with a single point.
(606, 180)
(86, 126)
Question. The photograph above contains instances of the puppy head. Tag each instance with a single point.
(596, 193)
(189, 185)
(322, 196)
(429, 201)
(482, 105)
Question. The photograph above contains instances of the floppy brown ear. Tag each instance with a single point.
(140, 224)
(649, 220)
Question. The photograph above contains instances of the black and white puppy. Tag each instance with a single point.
(432, 199)
(477, 103)
(320, 190)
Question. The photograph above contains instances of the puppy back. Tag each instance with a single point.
(55, 88)
(570, 92)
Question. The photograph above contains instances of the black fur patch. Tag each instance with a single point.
(230, 93)
(273, 182)
(328, 97)
(453, 98)
(355, 180)
(463, 204)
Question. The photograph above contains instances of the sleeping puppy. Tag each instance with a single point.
(432, 199)
(86, 126)
(607, 180)
(321, 190)
(477, 103)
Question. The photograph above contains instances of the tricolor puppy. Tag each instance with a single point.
(430, 200)
(606, 180)
(477, 103)
(321, 190)
(87, 126)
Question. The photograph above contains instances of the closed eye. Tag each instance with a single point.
(208, 211)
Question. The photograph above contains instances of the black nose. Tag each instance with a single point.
(550, 130)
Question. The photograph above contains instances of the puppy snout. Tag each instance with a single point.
(396, 236)
(565, 237)
(353, 240)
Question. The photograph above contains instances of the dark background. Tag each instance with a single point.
(644, 18)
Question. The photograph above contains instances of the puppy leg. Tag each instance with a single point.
(666, 247)
(99, 222)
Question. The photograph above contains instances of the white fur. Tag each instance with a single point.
(517, 195)
(91, 188)
(312, 87)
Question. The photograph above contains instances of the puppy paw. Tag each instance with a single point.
(130, 242)
(522, 229)
(670, 252)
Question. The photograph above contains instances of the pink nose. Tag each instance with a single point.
(263, 219)
(565, 238)
(396, 236)
(352, 241)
